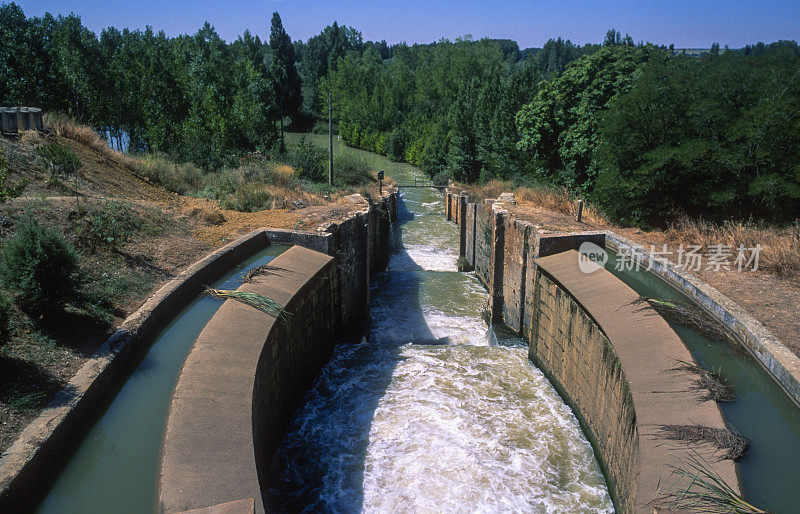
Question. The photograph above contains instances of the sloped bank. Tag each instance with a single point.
(611, 361)
(358, 245)
(247, 372)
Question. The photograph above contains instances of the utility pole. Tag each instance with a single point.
(330, 138)
(283, 140)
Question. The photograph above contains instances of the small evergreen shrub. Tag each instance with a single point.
(309, 161)
(110, 224)
(5, 318)
(61, 159)
(39, 266)
(349, 170)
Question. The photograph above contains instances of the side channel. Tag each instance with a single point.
(115, 468)
(761, 412)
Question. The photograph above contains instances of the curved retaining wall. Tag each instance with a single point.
(242, 380)
(360, 247)
(612, 361)
(246, 374)
(54, 431)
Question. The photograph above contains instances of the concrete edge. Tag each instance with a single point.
(45, 440)
(637, 371)
(780, 362)
(194, 413)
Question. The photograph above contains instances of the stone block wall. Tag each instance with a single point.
(238, 389)
(293, 353)
(483, 242)
(579, 360)
(515, 252)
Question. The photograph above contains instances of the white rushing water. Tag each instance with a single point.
(424, 414)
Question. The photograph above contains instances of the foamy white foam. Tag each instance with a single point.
(464, 428)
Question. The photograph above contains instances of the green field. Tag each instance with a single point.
(397, 171)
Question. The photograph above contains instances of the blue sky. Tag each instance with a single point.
(688, 24)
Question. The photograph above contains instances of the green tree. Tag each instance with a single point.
(558, 129)
(283, 71)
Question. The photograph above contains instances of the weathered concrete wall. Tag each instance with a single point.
(274, 363)
(515, 261)
(361, 246)
(587, 337)
(483, 242)
(580, 361)
(469, 234)
(613, 362)
(243, 378)
(60, 426)
(55, 431)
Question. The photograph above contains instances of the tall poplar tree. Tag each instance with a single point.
(286, 81)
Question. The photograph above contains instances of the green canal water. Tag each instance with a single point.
(115, 467)
(770, 471)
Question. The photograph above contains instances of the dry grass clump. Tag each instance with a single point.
(780, 247)
(553, 199)
(706, 490)
(687, 315)
(263, 270)
(70, 129)
(735, 445)
(255, 300)
(87, 136)
(283, 175)
(709, 383)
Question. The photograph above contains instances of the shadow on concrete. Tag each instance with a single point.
(320, 463)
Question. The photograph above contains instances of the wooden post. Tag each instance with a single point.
(580, 210)
(283, 141)
(330, 138)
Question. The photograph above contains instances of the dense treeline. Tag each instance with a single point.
(448, 107)
(643, 132)
(194, 97)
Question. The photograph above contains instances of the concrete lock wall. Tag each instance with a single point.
(261, 371)
(579, 359)
(586, 336)
(239, 387)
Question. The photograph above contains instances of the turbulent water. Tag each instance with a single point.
(424, 414)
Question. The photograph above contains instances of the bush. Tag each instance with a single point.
(110, 224)
(8, 192)
(5, 318)
(61, 159)
(309, 160)
(178, 178)
(349, 170)
(248, 198)
(39, 266)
